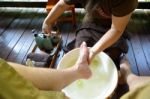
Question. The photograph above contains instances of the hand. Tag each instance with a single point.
(46, 28)
(82, 62)
(91, 55)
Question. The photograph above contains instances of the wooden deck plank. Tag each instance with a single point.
(138, 49)
(64, 30)
(131, 58)
(24, 42)
(9, 29)
(130, 55)
(146, 46)
(8, 34)
(71, 37)
(29, 51)
(18, 31)
(145, 21)
(7, 18)
(37, 24)
(147, 36)
(139, 56)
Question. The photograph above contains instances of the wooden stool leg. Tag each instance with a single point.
(51, 4)
(73, 16)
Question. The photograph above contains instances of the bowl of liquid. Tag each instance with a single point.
(100, 85)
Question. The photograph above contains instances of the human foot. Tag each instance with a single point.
(82, 62)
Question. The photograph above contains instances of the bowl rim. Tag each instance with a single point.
(109, 91)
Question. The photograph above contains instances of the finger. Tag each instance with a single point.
(48, 34)
(46, 31)
(85, 49)
(84, 52)
(82, 49)
(90, 58)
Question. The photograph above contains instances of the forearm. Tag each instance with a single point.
(109, 38)
(117, 28)
(55, 12)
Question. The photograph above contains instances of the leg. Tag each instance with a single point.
(92, 35)
(84, 35)
(51, 79)
(132, 80)
(116, 50)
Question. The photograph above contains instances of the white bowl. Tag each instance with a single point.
(102, 82)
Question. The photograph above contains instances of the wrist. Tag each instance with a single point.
(47, 21)
(93, 52)
(75, 72)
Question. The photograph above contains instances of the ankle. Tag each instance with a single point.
(83, 71)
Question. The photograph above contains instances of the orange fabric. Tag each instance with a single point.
(51, 4)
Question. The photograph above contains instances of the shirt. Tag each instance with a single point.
(100, 11)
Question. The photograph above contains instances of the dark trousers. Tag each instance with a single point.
(91, 33)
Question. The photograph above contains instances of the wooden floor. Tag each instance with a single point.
(16, 37)
(139, 45)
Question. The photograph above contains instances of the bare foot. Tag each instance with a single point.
(82, 62)
(124, 70)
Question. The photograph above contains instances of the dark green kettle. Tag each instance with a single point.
(45, 42)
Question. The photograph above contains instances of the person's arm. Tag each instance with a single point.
(112, 35)
(53, 15)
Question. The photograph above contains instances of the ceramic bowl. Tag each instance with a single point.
(100, 85)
